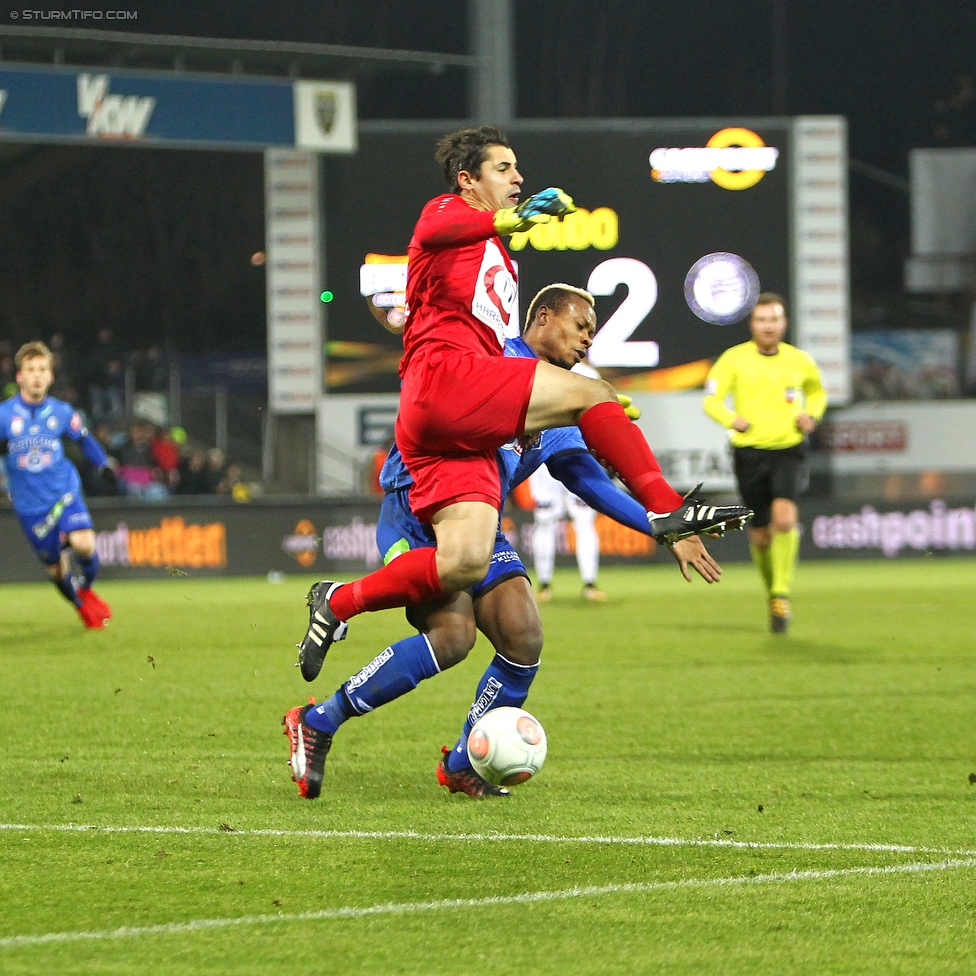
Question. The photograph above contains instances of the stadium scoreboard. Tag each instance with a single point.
(680, 225)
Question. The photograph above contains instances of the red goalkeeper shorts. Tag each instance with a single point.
(456, 410)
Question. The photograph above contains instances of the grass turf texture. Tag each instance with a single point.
(670, 710)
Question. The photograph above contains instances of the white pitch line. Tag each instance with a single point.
(403, 908)
(510, 838)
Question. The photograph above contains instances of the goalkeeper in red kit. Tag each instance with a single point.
(462, 398)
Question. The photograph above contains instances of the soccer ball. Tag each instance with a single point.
(507, 746)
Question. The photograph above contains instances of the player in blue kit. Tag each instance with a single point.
(561, 324)
(44, 485)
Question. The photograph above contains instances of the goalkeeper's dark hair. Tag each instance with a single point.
(466, 150)
(556, 297)
(770, 298)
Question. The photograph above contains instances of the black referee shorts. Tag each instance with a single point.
(764, 475)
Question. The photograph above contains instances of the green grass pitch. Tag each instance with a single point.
(716, 799)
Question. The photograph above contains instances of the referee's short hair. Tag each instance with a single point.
(770, 298)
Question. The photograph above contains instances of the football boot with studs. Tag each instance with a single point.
(324, 629)
(466, 780)
(309, 747)
(779, 614)
(696, 517)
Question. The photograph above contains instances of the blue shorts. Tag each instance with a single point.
(399, 530)
(45, 531)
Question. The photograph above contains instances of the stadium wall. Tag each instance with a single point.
(203, 538)
(862, 444)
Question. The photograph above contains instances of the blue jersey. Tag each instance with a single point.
(38, 473)
(516, 460)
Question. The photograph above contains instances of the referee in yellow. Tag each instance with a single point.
(777, 400)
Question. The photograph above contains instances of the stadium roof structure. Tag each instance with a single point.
(83, 47)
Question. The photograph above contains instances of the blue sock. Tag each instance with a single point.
(504, 683)
(89, 569)
(67, 587)
(399, 669)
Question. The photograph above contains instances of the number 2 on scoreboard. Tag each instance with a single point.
(610, 346)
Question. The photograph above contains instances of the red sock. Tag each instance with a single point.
(409, 579)
(617, 441)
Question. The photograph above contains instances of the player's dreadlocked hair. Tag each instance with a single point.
(555, 296)
(33, 350)
(466, 150)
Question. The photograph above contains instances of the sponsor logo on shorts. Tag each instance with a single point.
(505, 556)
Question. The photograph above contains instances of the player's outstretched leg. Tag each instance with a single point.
(697, 517)
(309, 747)
(396, 670)
(324, 629)
(466, 780)
(619, 443)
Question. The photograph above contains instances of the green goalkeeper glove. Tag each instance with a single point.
(625, 401)
(539, 208)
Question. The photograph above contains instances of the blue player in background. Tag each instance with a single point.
(44, 485)
(561, 323)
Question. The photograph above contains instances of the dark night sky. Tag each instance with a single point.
(884, 65)
(901, 72)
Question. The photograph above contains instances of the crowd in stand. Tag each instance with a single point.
(149, 461)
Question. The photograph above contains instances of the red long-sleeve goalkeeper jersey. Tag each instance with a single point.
(462, 290)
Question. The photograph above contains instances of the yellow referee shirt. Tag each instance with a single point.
(769, 391)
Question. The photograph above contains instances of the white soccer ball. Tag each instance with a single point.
(507, 746)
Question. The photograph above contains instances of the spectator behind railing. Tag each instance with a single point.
(233, 484)
(150, 369)
(139, 473)
(166, 454)
(193, 476)
(105, 370)
(8, 383)
(216, 464)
